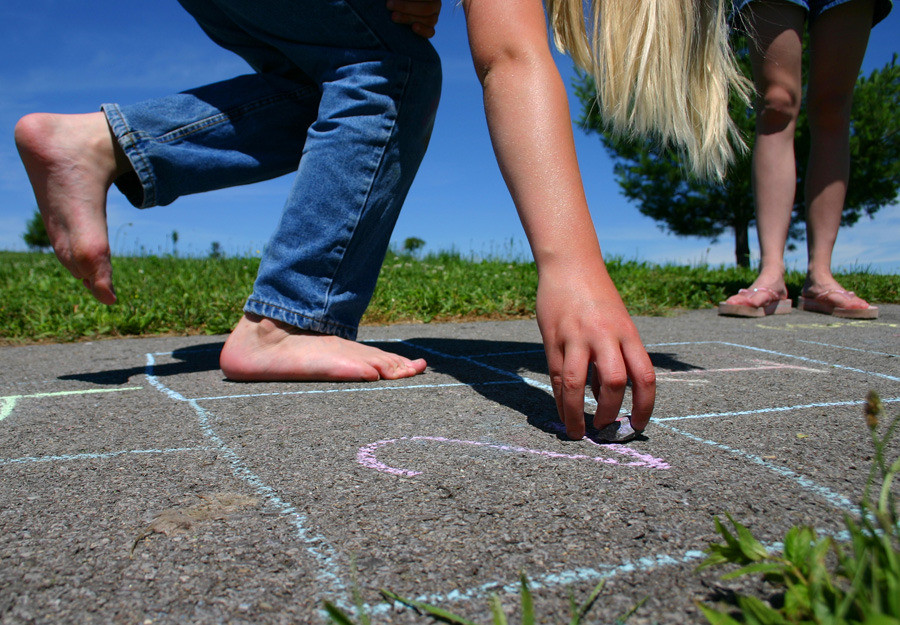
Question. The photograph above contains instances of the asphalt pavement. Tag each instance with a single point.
(139, 486)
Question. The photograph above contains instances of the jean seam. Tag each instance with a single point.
(333, 278)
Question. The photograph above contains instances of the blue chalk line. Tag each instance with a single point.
(317, 546)
(99, 456)
(736, 413)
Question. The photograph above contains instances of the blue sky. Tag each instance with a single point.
(63, 56)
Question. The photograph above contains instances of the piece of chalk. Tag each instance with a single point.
(619, 431)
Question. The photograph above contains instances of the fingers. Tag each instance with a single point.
(422, 30)
(421, 15)
(612, 382)
(608, 380)
(629, 362)
(568, 390)
(643, 384)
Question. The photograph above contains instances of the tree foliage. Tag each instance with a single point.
(35, 235)
(411, 245)
(656, 179)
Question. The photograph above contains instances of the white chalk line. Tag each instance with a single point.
(550, 580)
(8, 402)
(782, 354)
(737, 413)
(853, 349)
(580, 575)
(360, 389)
(100, 456)
(317, 546)
(835, 499)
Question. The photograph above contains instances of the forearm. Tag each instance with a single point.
(528, 117)
(581, 316)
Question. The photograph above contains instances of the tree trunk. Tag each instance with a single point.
(741, 244)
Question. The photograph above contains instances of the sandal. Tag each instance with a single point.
(820, 304)
(777, 305)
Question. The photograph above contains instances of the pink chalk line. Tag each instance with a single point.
(366, 454)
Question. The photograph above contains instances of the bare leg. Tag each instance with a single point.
(71, 161)
(832, 77)
(776, 57)
(261, 349)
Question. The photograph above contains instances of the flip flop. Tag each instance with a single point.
(777, 305)
(820, 304)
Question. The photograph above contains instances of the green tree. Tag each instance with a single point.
(655, 178)
(411, 245)
(35, 235)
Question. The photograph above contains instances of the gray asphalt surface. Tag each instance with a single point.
(138, 486)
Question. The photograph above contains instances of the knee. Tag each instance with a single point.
(777, 108)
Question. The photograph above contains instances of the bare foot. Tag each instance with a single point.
(264, 350)
(71, 161)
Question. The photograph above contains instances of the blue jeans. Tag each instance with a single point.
(342, 96)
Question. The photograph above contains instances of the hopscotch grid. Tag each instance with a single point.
(325, 553)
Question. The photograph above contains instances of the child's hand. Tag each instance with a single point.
(583, 320)
(421, 15)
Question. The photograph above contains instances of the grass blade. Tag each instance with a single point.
(527, 602)
(440, 614)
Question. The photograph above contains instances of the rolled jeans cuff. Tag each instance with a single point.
(138, 186)
(299, 320)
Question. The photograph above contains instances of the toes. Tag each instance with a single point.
(396, 367)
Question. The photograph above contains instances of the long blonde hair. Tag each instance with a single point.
(663, 68)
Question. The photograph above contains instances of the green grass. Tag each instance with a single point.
(40, 301)
(819, 580)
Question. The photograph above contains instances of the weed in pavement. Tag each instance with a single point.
(825, 581)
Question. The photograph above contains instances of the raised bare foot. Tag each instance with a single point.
(71, 161)
(264, 350)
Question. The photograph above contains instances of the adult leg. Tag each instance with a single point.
(832, 77)
(776, 56)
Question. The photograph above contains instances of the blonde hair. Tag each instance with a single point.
(662, 68)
